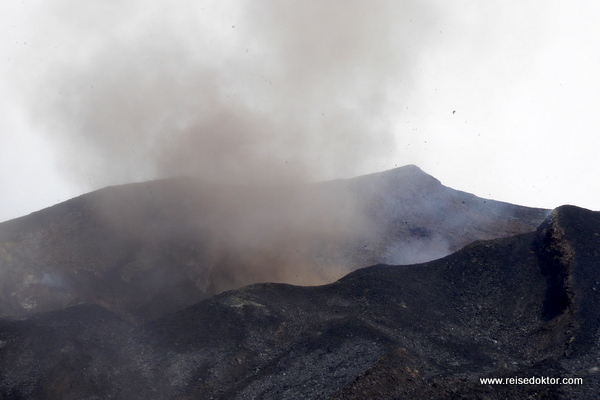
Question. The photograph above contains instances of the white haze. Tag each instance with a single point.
(491, 98)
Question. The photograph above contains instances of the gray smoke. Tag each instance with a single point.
(230, 91)
(263, 92)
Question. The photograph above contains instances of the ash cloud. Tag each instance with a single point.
(256, 93)
(263, 91)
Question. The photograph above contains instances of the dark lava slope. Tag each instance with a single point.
(523, 306)
(144, 250)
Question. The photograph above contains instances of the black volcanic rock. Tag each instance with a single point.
(144, 250)
(523, 306)
(81, 352)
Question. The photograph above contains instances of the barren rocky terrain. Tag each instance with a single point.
(522, 306)
(385, 286)
(148, 249)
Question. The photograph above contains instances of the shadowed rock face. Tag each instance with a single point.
(144, 250)
(523, 306)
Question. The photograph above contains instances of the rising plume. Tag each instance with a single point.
(232, 91)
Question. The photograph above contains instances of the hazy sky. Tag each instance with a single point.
(494, 98)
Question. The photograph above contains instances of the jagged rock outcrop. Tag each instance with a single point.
(523, 306)
(144, 250)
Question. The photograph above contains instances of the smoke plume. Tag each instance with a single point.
(229, 91)
(261, 93)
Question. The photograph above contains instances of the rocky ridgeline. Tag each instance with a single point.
(521, 306)
(149, 249)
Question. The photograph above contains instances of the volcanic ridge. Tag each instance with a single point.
(512, 292)
(146, 249)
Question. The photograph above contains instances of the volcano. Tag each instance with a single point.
(148, 249)
(520, 307)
